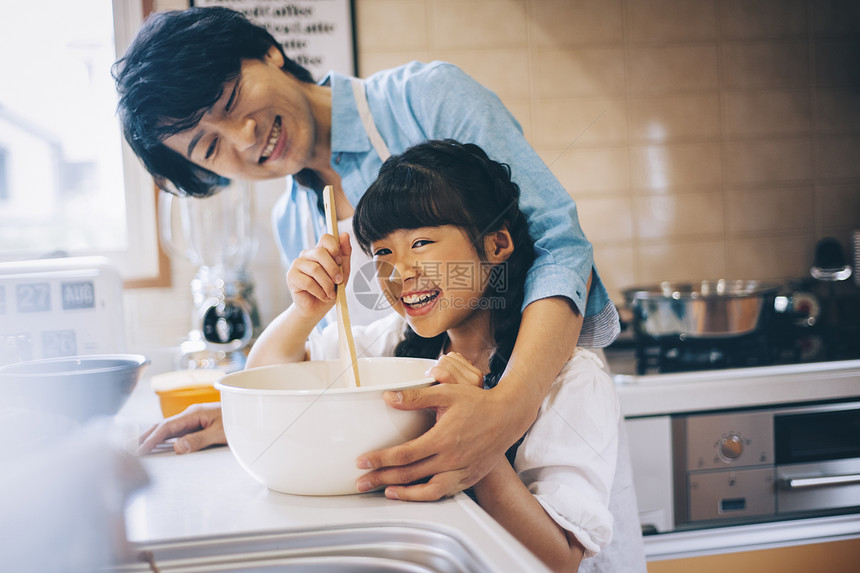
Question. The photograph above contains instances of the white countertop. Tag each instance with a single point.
(658, 394)
(207, 494)
(738, 538)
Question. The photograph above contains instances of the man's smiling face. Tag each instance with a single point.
(262, 126)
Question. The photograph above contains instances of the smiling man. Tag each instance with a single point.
(205, 96)
(266, 124)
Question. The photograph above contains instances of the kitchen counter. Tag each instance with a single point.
(659, 394)
(204, 500)
(206, 497)
(743, 538)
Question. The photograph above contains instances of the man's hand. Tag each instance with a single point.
(198, 426)
(455, 451)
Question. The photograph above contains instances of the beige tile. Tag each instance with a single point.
(772, 64)
(673, 69)
(742, 19)
(597, 170)
(767, 113)
(467, 24)
(580, 122)
(671, 20)
(837, 158)
(580, 73)
(161, 5)
(766, 210)
(371, 62)
(838, 206)
(674, 216)
(687, 260)
(778, 257)
(558, 23)
(606, 220)
(837, 110)
(616, 267)
(391, 25)
(671, 118)
(503, 71)
(769, 160)
(661, 167)
(837, 62)
(836, 17)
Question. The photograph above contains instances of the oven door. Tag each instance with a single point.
(817, 458)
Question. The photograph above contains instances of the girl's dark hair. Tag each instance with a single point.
(175, 70)
(448, 183)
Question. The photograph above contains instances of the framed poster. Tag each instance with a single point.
(318, 34)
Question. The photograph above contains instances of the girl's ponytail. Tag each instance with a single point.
(506, 316)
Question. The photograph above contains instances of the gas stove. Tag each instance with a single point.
(808, 323)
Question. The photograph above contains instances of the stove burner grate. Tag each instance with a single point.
(678, 354)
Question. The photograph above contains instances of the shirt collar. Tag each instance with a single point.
(347, 130)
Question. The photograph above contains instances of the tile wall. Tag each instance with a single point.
(700, 138)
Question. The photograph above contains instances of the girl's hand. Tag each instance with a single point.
(312, 279)
(453, 368)
(313, 275)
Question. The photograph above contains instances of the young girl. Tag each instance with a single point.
(451, 250)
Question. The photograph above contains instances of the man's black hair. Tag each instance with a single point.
(172, 73)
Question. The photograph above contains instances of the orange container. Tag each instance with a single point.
(179, 389)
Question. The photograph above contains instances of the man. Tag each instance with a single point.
(206, 95)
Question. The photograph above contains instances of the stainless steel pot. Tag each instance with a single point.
(707, 309)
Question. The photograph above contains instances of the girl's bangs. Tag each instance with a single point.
(410, 198)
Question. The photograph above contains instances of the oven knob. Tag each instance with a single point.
(731, 447)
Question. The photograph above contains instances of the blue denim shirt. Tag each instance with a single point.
(416, 102)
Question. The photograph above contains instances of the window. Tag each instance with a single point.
(68, 184)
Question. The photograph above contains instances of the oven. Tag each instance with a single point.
(741, 446)
(765, 464)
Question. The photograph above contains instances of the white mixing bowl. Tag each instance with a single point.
(298, 429)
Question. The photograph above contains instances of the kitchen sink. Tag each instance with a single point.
(373, 548)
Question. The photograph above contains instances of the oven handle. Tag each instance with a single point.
(801, 483)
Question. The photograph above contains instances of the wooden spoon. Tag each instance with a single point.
(344, 330)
